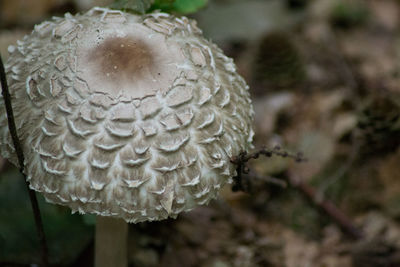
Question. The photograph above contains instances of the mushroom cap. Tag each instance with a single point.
(124, 115)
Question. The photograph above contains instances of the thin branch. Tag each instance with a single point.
(277, 151)
(18, 149)
(243, 183)
(327, 207)
(241, 160)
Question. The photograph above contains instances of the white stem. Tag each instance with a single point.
(111, 242)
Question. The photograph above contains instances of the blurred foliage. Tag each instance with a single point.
(278, 63)
(393, 207)
(379, 124)
(297, 4)
(171, 6)
(375, 253)
(179, 6)
(66, 235)
(348, 14)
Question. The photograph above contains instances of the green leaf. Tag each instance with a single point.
(135, 6)
(189, 6)
(163, 5)
(179, 6)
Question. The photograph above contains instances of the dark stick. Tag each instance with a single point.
(242, 184)
(327, 207)
(241, 160)
(18, 149)
(245, 157)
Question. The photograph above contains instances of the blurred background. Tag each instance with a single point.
(325, 80)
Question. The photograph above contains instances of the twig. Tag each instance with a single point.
(277, 151)
(238, 181)
(18, 149)
(326, 206)
(241, 160)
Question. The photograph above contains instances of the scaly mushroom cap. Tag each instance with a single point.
(124, 115)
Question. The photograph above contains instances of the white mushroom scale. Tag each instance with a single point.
(128, 116)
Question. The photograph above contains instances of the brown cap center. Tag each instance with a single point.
(137, 65)
(122, 59)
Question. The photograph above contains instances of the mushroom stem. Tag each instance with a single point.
(111, 247)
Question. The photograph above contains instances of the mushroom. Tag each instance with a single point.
(132, 118)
